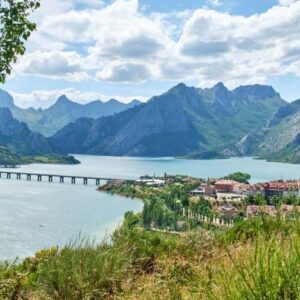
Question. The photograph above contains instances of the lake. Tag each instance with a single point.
(35, 215)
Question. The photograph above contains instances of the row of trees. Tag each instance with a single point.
(165, 208)
(290, 199)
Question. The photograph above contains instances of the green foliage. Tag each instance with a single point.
(54, 159)
(239, 177)
(271, 272)
(84, 271)
(265, 267)
(163, 207)
(252, 228)
(205, 155)
(15, 30)
(290, 154)
(7, 157)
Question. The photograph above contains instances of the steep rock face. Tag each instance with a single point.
(6, 100)
(247, 146)
(180, 121)
(49, 121)
(280, 139)
(279, 136)
(18, 136)
(285, 111)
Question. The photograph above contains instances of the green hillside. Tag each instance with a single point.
(9, 158)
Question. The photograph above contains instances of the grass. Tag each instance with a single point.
(263, 269)
(256, 259)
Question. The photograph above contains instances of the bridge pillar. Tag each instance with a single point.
(28, 177)
(8, 176)
(39, 178)
(85, 181)
(50, 178)
(18, 176)
(0, 174)
(73, 180)
(61, 179)
(97, 182)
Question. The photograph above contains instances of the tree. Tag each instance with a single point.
(239, 177)
(15, 29)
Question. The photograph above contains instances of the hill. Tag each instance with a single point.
(7, 157)
(49, 121)
(280, 140)
(181, 121)
(19, 138)
(19, 145)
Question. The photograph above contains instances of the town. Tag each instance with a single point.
(187, 202)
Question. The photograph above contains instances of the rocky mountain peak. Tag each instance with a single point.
(6, 100)
(63, 99)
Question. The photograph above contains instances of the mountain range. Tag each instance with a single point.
(49, 121)
(181, 121)
(185, 121)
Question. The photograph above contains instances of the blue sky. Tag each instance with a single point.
(239, 7)
(126, 49)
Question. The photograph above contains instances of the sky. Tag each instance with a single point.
(135, 49)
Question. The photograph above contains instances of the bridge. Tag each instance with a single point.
(51, 177)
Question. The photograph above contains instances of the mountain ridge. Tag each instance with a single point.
(48, 121)
(180, 121)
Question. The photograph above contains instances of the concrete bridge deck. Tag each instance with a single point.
(61, 178)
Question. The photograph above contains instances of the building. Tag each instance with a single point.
(224, 186)
(200, 191)
(204, 189)
(152, 182)
(241, 188)
(277, 188)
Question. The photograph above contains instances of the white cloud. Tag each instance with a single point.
(286, 2)
(55, 64)
(117, 42)
(103, 38)
(45, 98)
(251, 48)
(129, 72)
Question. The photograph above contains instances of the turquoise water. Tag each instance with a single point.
(131, 168)
(36, 215)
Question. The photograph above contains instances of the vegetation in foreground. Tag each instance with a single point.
(256, 259)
